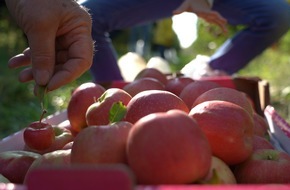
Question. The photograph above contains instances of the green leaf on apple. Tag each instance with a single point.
(117, 112)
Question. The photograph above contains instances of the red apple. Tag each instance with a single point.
(226, 94)
(62, 137)
(261, 143)
(228, 127)
(168, 148)
(219, 173)
(151, 101)
(39, 136)
(177, 84)
(265, 166)
(57, 158)
(82, 97)
(261, 126)
(101, 144)
(142, 84)
(15, 164)
(99, 112)
(152, 73)
(54, 158)
(193, 90)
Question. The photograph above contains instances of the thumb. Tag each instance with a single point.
(42, 47)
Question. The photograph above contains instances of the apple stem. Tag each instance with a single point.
(42, 115)
(269, 157)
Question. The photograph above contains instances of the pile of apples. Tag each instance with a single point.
(165, 129)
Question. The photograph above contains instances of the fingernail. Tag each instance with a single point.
(41, 77)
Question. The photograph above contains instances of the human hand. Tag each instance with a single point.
(59, 36)
(203, 10)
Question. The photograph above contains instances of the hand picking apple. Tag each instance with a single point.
(61, 46)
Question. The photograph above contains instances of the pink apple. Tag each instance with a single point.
(228, 127)
(152, 73)
(54, 158)
(15, 164)
(261, 143)
(265, 166)
(168, 148)
(98, 113)
(219, 173)
(226, 94)
(261, 126)
(82, 97)
(101, 144)
(62, 137)
(177, 84)
(39, 136)
(193, 90)
(152, 101)
(57, 158)
(142, 84)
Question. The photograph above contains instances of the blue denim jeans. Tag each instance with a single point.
(265, 20)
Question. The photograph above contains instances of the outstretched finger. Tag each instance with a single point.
(19, 60)
(67, 73)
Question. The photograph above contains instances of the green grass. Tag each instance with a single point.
(19, 107)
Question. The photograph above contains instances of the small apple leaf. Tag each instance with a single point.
(42, 90)
(117, 112)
